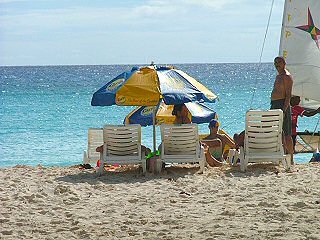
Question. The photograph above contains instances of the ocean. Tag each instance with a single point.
(45, 111)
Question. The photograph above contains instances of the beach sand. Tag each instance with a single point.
(223, 203)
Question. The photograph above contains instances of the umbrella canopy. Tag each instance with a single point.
(197, 112)
(147, 85)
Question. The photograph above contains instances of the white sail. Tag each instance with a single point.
(300, 46)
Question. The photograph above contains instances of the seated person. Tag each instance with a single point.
(239, 139)
(180, 111)
(214, 144)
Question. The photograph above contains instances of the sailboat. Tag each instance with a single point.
(300, 46)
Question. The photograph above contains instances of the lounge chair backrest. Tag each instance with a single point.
(180, 144)
(263, 131)
(95, 139)
(122, 145)
(122, 140)
(180, 139)
(263, 138)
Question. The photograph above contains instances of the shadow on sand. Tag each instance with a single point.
(132, 174)
(254, 170)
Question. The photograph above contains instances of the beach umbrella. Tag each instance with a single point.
(146, 86)
(197, 112)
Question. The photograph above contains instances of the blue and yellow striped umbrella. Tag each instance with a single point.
(148, 85)
(143, 115)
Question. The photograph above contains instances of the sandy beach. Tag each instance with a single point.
(223, 203)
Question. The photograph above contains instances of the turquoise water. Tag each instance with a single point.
(45, 111)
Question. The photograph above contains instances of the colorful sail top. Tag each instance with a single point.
(147, 85)
(300, 46)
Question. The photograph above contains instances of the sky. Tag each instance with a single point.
(90, 32)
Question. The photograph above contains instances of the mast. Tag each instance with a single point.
(283, 29)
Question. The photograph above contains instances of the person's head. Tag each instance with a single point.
(279, 63)
(180, 110)
(294, 101)
(214, 125)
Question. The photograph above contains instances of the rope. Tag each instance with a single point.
(262, 49)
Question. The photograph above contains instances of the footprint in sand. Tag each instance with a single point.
(134, 200)
(29, 198)
(4, 220)
(43, 212)
(299, 205)
(4, 199)
(56, 221)
(68, 215)
(60, 189)
(7, 232)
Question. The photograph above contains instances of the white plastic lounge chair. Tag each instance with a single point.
(180, 144)
(263, 138)
(95, 139)
(122, 145)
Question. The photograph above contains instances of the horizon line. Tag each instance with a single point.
(122, 64)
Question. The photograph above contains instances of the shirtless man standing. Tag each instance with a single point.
(280, 99)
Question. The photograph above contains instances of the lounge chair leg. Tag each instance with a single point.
(158, 165)
(243, 160)
(242, 168)
(144, 165)
(202, 165)
(85, 157)
(243, 164)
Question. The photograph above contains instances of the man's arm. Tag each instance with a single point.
(288, 90)
(311, 113)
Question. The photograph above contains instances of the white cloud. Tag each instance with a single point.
(215, 4)
(173, 12)
(11, 1)
(191, 29)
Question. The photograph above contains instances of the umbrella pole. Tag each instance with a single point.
(154, 130)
